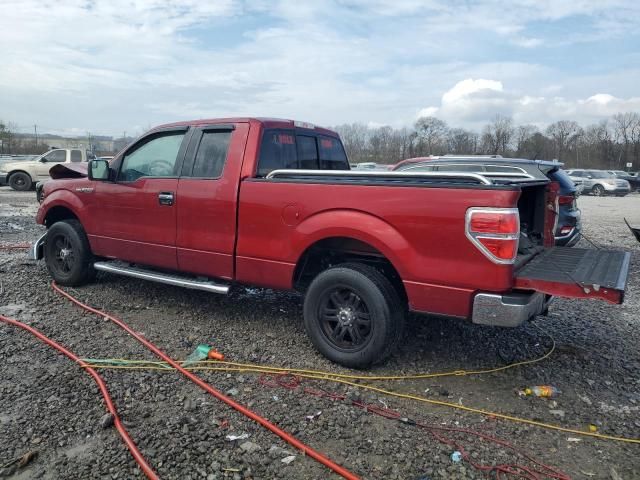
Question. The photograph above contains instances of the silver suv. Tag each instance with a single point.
(599, 182)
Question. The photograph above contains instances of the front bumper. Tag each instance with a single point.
(617, 189)
(3, 179)
(36, 251)
(508, 310)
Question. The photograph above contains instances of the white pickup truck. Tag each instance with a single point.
(23, 175)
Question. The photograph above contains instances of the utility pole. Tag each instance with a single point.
(35, 131)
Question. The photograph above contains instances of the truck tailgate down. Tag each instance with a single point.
(577, 273)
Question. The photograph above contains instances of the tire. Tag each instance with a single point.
(20, 181)
(369, 315)
(598, 190)
(68, 255)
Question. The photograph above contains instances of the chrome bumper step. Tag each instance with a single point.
(127, 270)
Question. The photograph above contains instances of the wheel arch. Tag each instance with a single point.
(335, 250)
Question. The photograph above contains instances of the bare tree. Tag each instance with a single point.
(431, 134)
(563, 134)
(624, 128)
(498, 135)
(461, 141)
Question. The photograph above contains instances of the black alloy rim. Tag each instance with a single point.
(63, 257)
(345, 318)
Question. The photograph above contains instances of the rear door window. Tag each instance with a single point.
(332, 155)
(212, 154)
(277, 150)
(76, 156)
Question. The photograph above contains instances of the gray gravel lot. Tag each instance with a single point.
(48, 404)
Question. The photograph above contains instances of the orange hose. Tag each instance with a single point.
(291, 440)
(103, 389)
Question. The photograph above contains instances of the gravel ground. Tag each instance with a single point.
(48, 405)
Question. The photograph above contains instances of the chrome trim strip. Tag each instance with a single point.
(376, 174)
(36, 251)
(140, 273)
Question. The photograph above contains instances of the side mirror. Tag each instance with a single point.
(589, 177)
(98, 170)
(43, 160)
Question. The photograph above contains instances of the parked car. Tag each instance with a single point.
(634, 181)
(209, 204)
(24, 174)
(569, 225)
(600, 182)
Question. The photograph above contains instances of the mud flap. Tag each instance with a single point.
(577, 273)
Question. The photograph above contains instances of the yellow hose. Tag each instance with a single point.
(346, 380)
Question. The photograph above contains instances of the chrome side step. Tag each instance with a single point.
(176, 280)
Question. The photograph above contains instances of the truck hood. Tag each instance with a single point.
(69, 170)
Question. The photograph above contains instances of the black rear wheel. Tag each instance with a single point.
(598, 190)
(20, 181)
(353, 315)
(67, 253)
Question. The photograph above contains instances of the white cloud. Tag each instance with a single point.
(107, 66)
(472, 102)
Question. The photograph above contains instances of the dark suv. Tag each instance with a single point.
(569, 225)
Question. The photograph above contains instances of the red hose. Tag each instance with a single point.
(103, 389)
(319, 457)
(14, 246)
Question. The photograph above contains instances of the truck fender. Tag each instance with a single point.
(356, 225)
(62, 199)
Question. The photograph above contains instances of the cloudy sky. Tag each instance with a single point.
(124, 65)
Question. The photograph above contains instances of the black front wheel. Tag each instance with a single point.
(353, 315)
(20, 181)
(598, 190)
(67, 253)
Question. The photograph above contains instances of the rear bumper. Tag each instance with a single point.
(508, 310)
(3, 179)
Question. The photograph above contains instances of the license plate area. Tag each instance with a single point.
(577, 273)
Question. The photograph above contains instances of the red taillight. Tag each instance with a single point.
(489, 222)
(566, 199)
(499, 247)
(495, 231)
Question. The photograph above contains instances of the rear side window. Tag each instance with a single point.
(421, 167)
(332, 156)
(460, 168)
(212, 154)
(76, 156)
(500, 169)
(277, 150)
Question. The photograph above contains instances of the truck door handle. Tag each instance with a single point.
(165, 198)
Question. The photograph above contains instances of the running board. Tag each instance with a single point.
(169, 279)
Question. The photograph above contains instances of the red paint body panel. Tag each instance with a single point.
(568, 290)
(206, 209)
(419, 229)
(132, 225)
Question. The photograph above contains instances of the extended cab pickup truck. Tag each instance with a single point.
(23, 175)
(212, 203)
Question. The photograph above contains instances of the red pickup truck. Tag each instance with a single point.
(212, 203)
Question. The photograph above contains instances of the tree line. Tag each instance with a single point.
(609, 144)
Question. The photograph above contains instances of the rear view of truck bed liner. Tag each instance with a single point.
(577, 272)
